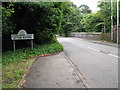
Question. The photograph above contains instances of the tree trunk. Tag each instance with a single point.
(104, 28)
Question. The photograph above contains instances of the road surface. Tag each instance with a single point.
(98, 64)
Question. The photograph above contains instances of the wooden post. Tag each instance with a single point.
(14, 45)
(31, 44)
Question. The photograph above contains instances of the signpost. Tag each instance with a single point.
(22, 35)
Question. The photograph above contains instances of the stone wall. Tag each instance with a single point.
(93, 36)
(99, 36)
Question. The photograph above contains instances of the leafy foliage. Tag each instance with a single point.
(10, 56)
(92, 22)
(7, 25)
(105, 11)
(40, 18)
(101, 20)
(71, 20)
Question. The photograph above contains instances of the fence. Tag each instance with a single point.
(115, 37)
(105, 36)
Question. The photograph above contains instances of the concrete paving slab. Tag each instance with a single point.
(53, 72)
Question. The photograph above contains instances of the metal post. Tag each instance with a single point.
(14, 45)
(31, 44)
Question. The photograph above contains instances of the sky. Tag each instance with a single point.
(92, 4)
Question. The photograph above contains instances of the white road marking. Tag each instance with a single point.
(114, 55)
(94, 49)
(100, 51)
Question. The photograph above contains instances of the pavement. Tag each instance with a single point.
(53, 72)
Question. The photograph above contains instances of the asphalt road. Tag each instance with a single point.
(98, 64)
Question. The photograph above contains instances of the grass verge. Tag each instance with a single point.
(13, 73)
(15, 65)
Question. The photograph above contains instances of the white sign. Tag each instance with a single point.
(22, 35)
(19, 37)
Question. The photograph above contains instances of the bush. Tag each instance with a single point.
(11, 56)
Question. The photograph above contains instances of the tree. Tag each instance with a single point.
(84, 9)
(92, 22)
(105, 10)
(105, 13)
(7, 25)
(71, 19)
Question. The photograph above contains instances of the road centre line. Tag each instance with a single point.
(100, 51)
(94, 49)
(114, 55)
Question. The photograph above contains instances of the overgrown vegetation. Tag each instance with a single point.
(40, 18)
(10, 56)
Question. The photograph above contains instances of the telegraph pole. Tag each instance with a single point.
(118, 36)
(111, 20)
